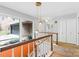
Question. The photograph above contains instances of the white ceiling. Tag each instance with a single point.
(48, 9)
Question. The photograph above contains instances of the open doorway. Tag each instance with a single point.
(27, 30)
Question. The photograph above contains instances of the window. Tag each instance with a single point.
(9, 30)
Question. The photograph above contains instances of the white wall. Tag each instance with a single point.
(78, 29)
(68, 28)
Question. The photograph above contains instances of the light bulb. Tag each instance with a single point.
(40, 23)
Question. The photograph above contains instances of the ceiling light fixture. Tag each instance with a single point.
(38, 5)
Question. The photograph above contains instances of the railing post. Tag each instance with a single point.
(35, 51)
(51, 43)
(57, 38)
(28, 49)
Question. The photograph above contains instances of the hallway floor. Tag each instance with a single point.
(65, 50)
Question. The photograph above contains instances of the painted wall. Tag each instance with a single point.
(67, 28)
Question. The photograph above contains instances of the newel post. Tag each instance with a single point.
(51, 42)
(57, 38)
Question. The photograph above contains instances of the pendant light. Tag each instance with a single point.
(38, 5)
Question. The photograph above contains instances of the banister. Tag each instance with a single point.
(52, 34)
(21, 43)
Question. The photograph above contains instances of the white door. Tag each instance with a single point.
(62, 30)
(68, 31)
(71, 31)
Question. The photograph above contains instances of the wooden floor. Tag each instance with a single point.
(65, 50)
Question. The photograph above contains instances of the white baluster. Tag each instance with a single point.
(22, 51)
(12, 52)
(28, 50)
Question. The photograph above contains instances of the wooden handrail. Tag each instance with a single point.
(52, 34)
(49, 32)
(22, 43)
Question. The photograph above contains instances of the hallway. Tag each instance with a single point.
(29, 29)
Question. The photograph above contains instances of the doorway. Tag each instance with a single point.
(27, 30)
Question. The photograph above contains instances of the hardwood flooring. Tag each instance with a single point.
(66, 50)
